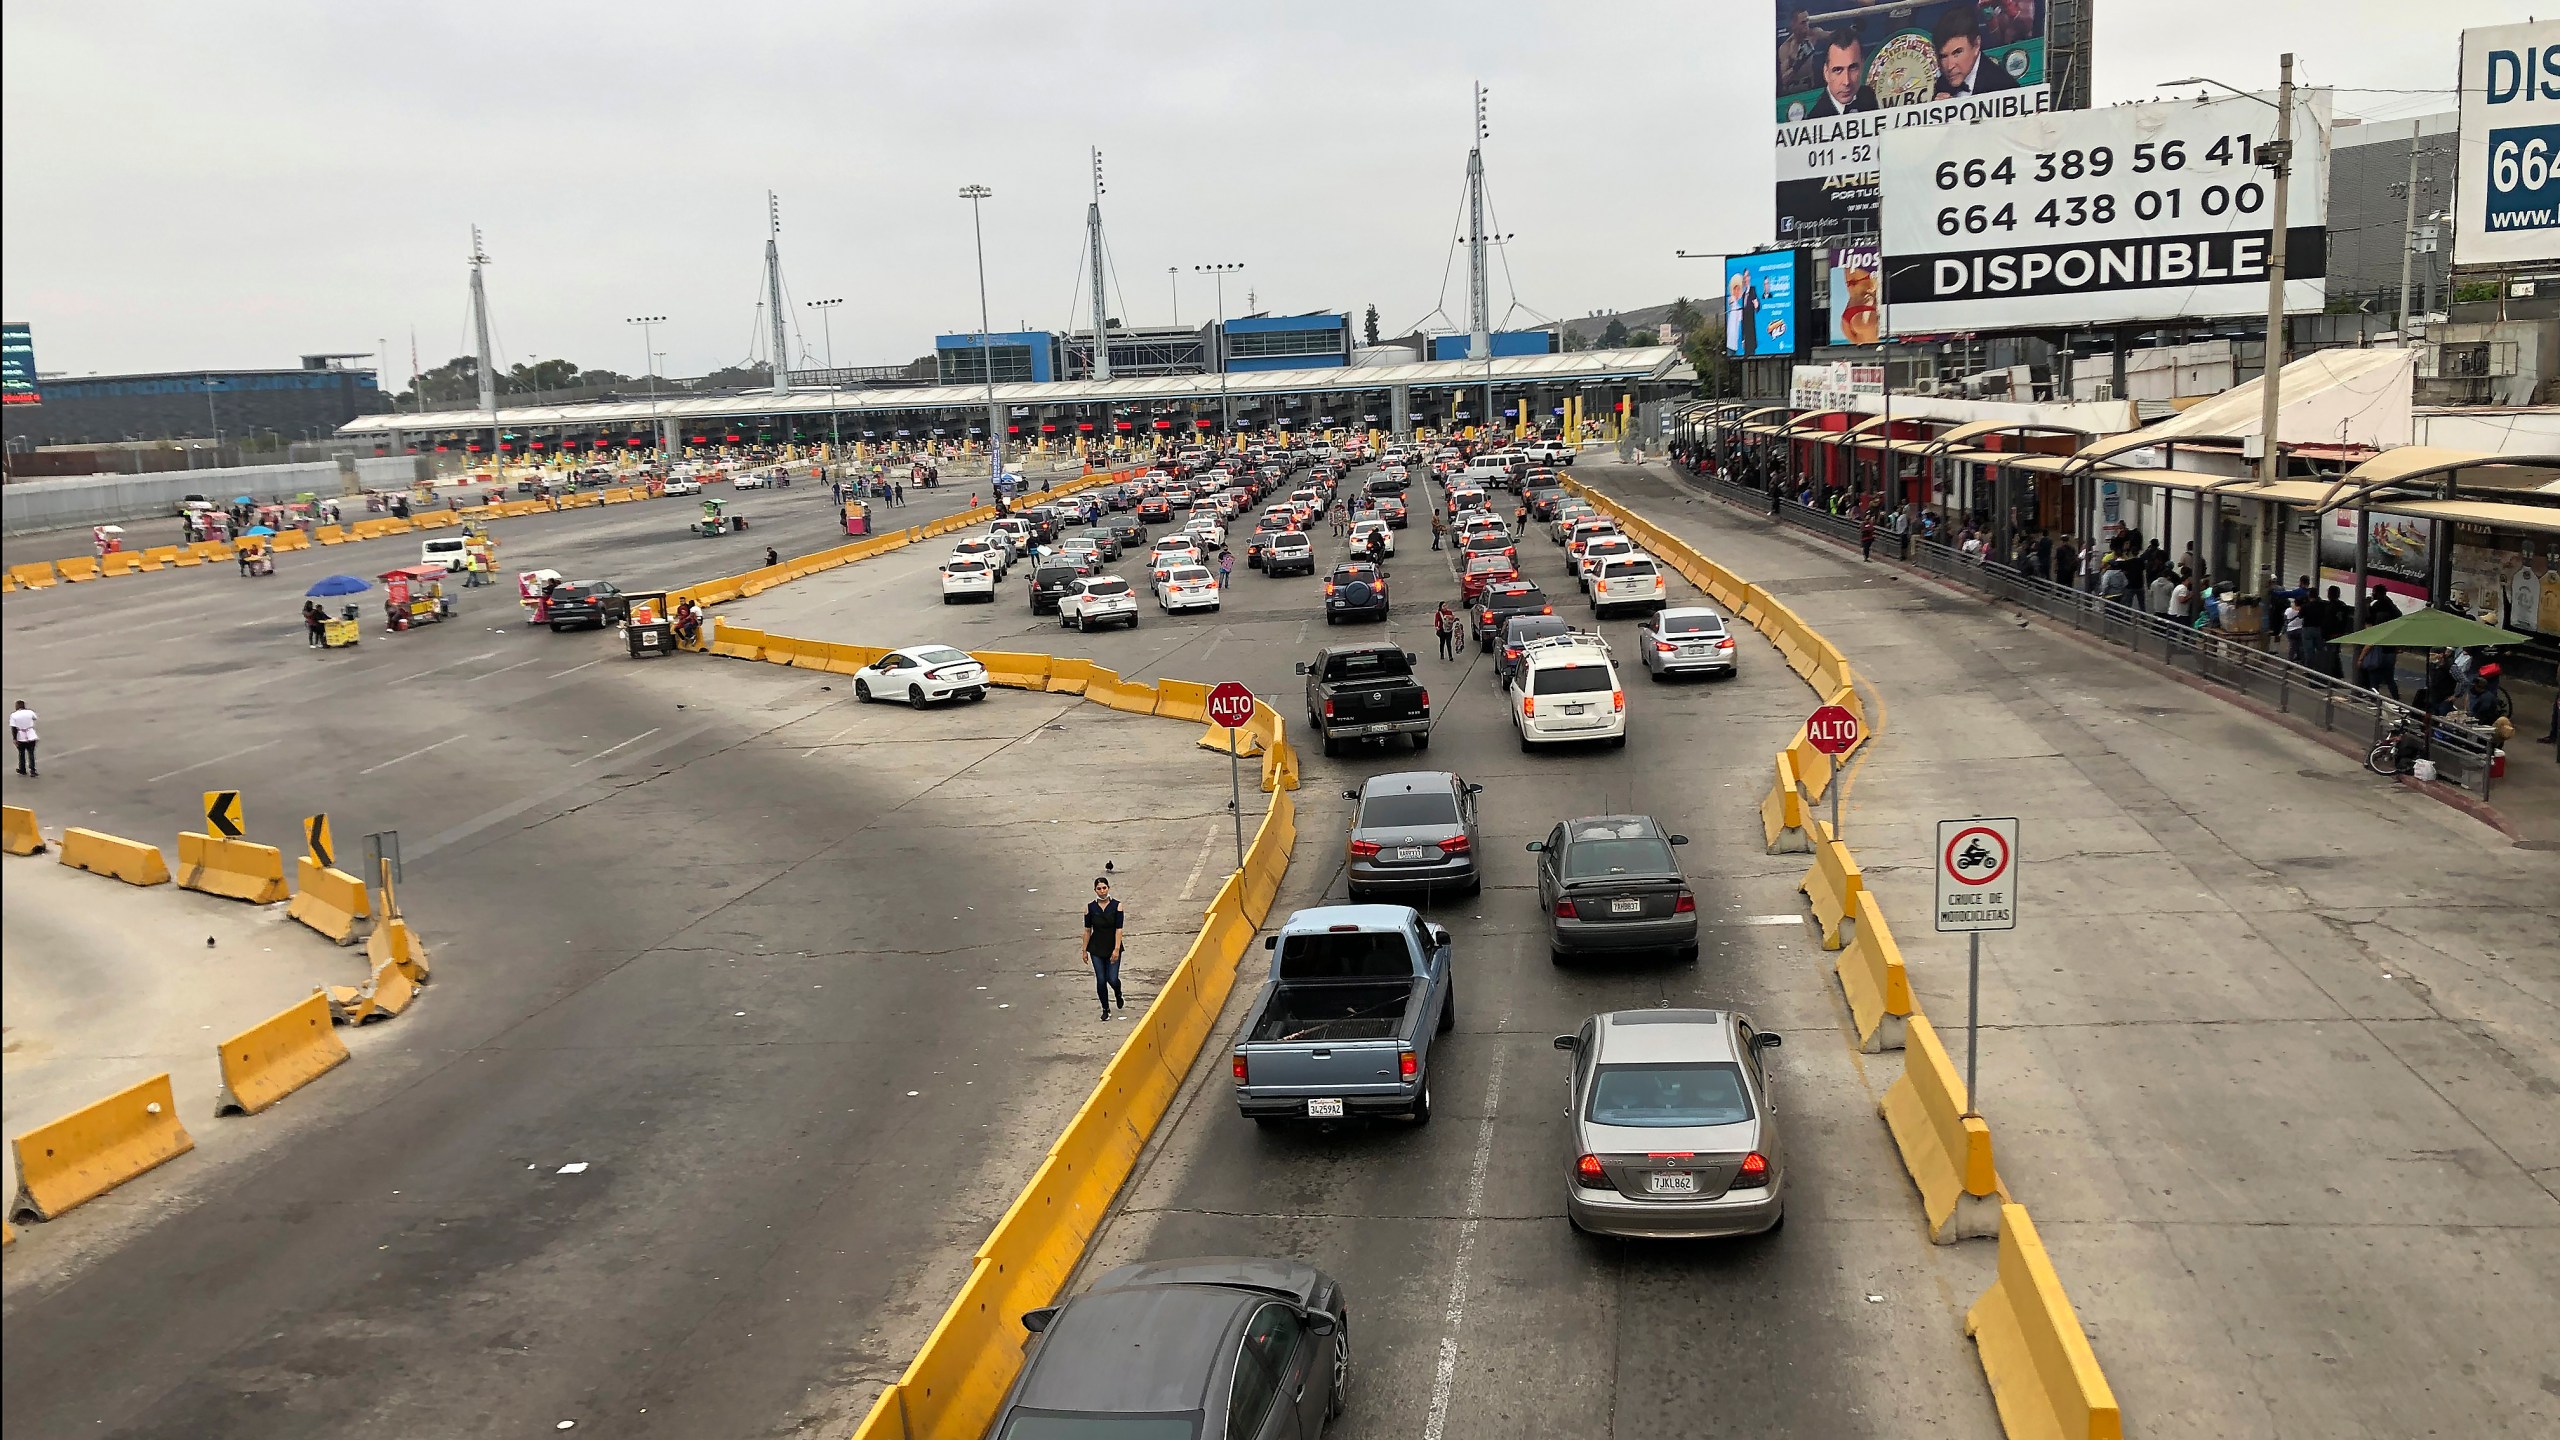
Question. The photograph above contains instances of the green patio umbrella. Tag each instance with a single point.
(2432, 630)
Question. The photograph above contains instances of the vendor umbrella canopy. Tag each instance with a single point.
(258, 530)
(242, 500)
(2432, 630)
(339, 585)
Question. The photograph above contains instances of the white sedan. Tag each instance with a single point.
(1361, 530)
(1187, 587)
(920, 675)
(967, 578)
(687, 486)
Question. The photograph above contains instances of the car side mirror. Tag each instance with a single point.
(1679, 839)
(1566, 1042)
(1270, 942)
(1439, 936)
(1038, 1320)
(1475, 789)
(1350, 794)
(1302, 667)
(1412, 659)
(1767, 1040)
(1536, 845)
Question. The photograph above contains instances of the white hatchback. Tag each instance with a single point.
(1187, 587)
(1624, 582)
(1092, 600)
(968, 578)
(1565, 689)
(920, 675)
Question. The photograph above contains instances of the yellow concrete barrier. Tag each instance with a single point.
(1813, 768)
(1947, 1151)
(1831, 886)
(292, 540)
(384, 994)
(1782, 828)
(113, 856)
(1128, 696)
(396, 942)
(1069, 677)
(210, 551)
(119, 562)
(1218, 737)
(78, 569)
(1182, 699)
(18, 832)
(95, 1148)
(330, 534)
(2044, 1377)
(233, 869)
(158, 556)
(1014, 669)
(1874, 979)
(277, 1056)
(738, 642)
(332, 902)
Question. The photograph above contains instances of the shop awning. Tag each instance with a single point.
(1855, 433)
(2499, 515)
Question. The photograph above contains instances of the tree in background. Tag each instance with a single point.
(1574, 341)
(1614, 335)
(1369, 327)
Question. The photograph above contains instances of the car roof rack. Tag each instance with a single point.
(1570, 640)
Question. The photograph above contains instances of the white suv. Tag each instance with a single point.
(993, 553)
(1187, 587)
(1565, 689)
(1093, 600)
(967, 578)
(1625, 582)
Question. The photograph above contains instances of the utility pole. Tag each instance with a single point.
(826, 310)
(2276, 156)
(975, 194)
(480, 332)
(2409, 231)
(773, 295)
(648, 362)
(1173, 278)
(1218, 357)
(1479, 304)
(1093, 242)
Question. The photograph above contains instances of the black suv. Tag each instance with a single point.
(1355, 592)
(1049, 581)
(594, 603)
(1500, 601)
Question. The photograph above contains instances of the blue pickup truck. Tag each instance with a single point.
(1346, 1023)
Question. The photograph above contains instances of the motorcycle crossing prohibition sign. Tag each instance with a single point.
(1231, 705)
(1832, 730)
(1977, 875)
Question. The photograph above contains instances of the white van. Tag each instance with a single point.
(445, 550)
(1492, 470)
(1566, 689)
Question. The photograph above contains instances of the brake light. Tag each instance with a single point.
(1687, 904)
(1426, 699)
(1456, 845)
(1546, 609)
(1364, 849)
(1725, 644)
(1408, 1065)
(1328, 709)
(1488, 617)
(1665, 647)
(1241, 1076)
(1587, 1171)
(1528, 707)
(1565, 911)
(1328, 587)
(1754, 1173)
(1618, 701)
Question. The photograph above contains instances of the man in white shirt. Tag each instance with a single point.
(2182, 602)
(22, 729)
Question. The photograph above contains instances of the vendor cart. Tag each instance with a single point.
(255, 556)
(414, 595)
(648, 629)
(533, 592)
(716, 520)
(857, 517)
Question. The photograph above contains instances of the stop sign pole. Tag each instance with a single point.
(1231, 705)
(1832, 730)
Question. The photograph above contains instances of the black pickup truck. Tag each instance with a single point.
(1365, 692)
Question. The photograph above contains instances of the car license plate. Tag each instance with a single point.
(1665, 1182)
(1332, 1110)
(1408, 852)
(1577, 709)
(1626, 907)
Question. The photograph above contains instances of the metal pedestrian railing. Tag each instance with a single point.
(2239, 663)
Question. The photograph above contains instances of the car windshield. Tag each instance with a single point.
(1057, 574)
(1291, 538)
(1042, 1425)
(1622, 848)
(1569, 680)
(938, 655)
(1366, 665)
(1692, 625)
(967, 567)
(1107, 587)
(1514, 596)
(1344, 955)
(1538, 628)
(1490, 561)
(1189, 575)
(1662, 1096)
(1407, 810)
(1627, 570)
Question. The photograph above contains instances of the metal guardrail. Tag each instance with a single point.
(2236, 663)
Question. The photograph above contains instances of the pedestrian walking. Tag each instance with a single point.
(1867, 537)
(314, 624)
(1102, 926)
(1437, 527)
(22, 729)
(1226, 567)
(1444, 623)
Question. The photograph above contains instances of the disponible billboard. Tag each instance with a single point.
(1847, 76)
(2507, 188)
(1761, 312)
(2138, 212)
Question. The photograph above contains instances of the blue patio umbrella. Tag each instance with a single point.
(339, 585)
(258, 530)
(242, 500)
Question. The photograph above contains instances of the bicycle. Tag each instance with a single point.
(2399, 750)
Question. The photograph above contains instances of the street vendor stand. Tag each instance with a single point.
(648, 630)
(414, 595)
(857, 517)
(533, 592)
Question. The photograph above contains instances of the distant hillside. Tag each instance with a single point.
(1590, 328)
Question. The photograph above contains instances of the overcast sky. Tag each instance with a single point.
(231, 185)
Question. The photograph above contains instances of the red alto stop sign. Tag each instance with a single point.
(1832, 730)
(1231, 705)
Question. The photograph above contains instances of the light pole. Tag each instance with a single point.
(826, 325)
(986, 343)
(1173, 279)
(2277, 155)
(1218, 334)
(649, 363)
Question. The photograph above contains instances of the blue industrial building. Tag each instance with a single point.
(1019, 357)
(1505, 342)
(1287, 342)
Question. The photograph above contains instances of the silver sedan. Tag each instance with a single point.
(1684, 640)
(1672, 1135)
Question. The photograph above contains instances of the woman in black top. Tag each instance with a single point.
(1102, 922)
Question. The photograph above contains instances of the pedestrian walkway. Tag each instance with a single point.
(2275, 1037)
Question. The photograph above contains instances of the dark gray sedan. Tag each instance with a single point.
(1610, 885)
(1673, 1135)
(1219, 1348)
(1414, 836)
